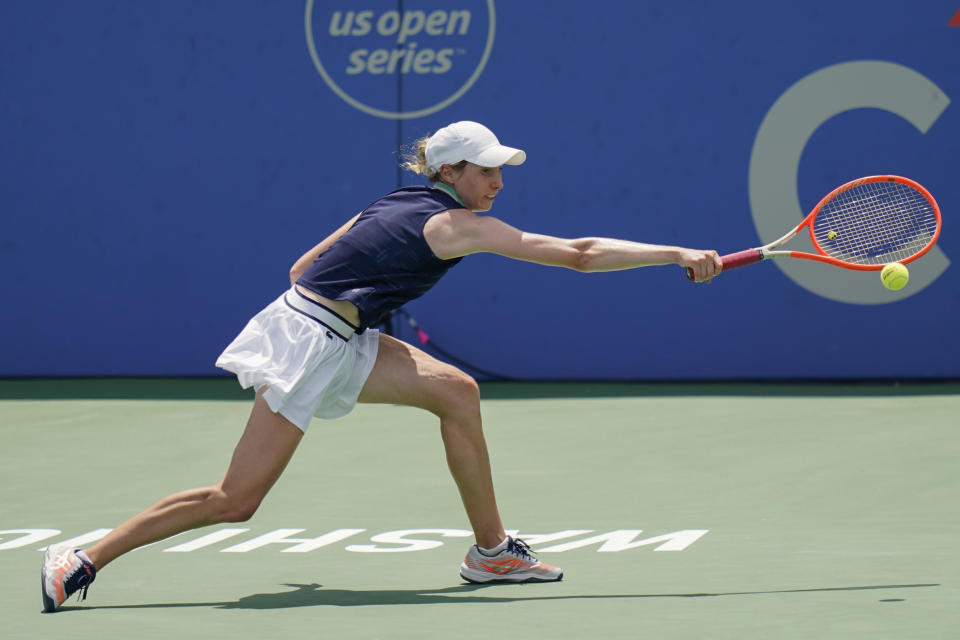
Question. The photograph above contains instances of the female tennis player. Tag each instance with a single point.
(312, 352)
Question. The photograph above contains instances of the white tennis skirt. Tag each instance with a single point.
(307, 357)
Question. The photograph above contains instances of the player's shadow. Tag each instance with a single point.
(314, 595)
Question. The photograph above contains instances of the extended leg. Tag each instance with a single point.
(260, 457)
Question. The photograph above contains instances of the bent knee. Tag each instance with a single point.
(459, 394)
(232, 507)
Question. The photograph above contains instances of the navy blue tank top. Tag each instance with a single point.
(383, 261)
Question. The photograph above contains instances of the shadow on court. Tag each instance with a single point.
(314, 595)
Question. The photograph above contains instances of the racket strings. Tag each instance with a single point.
(875, 223)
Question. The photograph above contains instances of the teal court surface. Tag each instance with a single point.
(676, 511)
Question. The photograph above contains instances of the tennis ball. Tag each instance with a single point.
(831, 235)
(894, 276)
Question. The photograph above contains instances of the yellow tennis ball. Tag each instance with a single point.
(831, 235)
(894, 276)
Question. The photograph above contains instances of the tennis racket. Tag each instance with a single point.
(863, 225)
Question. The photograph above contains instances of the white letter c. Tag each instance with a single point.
(779, 145)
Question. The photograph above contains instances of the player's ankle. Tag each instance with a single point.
(496, 545)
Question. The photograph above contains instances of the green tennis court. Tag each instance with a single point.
(676, 511)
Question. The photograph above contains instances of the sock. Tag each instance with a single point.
(83, 556)
(495, 550)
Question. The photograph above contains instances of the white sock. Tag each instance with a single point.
(495, 550)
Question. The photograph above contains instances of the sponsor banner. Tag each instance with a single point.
(209, 142)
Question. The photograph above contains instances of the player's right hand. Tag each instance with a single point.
(704, 265)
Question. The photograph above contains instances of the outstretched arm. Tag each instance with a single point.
(459, 232)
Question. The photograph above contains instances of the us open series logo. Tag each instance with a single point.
(400, 63)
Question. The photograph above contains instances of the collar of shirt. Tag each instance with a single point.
(445, 187)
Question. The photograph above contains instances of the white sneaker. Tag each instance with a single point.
(516, 563)
(64, 572)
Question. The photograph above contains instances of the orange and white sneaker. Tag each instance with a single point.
(65, 571)
(515, 563)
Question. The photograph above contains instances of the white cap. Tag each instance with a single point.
(470, 141)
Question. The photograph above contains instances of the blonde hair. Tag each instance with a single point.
(416, 160)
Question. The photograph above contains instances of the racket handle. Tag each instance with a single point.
(741, 259)
(735, 260)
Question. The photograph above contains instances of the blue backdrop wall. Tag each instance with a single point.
(163, 164)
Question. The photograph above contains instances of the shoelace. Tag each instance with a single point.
(85, 587)
(523, 549)
(79, 580)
